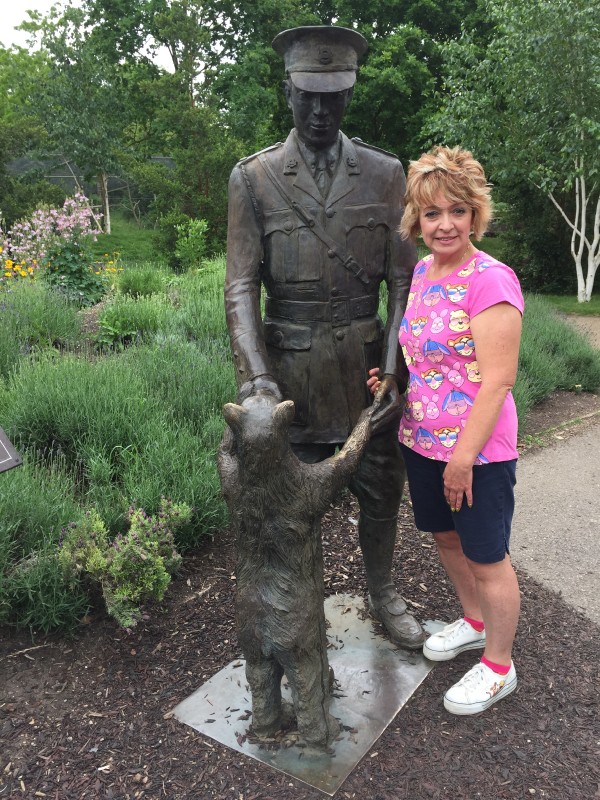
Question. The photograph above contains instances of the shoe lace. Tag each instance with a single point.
(474, 676)
(452, 630)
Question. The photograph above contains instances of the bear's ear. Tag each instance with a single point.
(234, 415)
(283, 413)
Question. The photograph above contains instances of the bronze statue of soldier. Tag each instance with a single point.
(314, 220)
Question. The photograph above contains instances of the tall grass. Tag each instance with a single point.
(36, 503)
(569, 304)
(553, 356)
(31, 319)
(119, 442)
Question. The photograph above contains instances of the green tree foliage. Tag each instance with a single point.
(20, 133)
(528, 103)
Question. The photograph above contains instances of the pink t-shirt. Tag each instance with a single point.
(438, 347)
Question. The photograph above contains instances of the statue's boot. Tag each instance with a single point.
(377, 540)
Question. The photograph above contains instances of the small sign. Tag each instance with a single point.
(9, 457)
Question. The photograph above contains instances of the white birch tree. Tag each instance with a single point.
(528, 104)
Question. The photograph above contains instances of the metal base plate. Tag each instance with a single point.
(374, 679)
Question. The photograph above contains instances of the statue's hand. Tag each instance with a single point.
(263, 384)
(387, 402)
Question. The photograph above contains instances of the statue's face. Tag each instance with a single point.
(317, 115)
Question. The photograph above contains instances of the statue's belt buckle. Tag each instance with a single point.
(340, 311)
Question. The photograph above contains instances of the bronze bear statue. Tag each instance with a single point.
(276, 504)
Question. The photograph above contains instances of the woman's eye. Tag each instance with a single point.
(430, 214)
(460, 211)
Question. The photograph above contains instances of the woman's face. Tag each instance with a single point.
(445, 227)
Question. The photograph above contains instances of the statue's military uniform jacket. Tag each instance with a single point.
(321, 332)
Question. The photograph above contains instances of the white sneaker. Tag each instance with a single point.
(452, 640)
(480, 688)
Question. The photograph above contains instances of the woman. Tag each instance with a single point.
(460, 338)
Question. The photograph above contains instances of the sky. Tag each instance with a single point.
(14, 12)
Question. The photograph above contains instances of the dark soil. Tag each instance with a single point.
(89, 717)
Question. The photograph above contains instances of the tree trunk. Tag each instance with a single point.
(103, 192)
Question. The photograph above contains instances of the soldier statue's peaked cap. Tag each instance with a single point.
(321, 58)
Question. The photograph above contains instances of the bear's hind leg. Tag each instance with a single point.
(309, 679)
(264, 678)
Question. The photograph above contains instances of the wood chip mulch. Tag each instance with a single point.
(90, 716)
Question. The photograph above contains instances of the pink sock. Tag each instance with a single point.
(499, 668)
(475, 623)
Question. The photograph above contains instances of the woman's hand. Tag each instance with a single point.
(458, 483)
(373, 382)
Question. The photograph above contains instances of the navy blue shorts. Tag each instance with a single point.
(484, 529)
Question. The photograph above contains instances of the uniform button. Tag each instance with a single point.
(371, 223)
(339, 335)
(278, 337)
(289, 226)
(335, 291)
(330, 212)
(331, 253)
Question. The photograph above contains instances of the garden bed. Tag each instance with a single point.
(90, 716)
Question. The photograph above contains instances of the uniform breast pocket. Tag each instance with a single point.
(291, 253)
(367, 236)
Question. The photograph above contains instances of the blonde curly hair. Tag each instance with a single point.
(460, 179)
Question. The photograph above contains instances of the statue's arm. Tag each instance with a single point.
(227, 463)
(335, 472)
(401, 260)
(242, 289)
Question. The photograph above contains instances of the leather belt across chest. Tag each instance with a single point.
(338, 311)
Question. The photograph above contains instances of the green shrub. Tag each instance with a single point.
(69, 267)
(38, 596)
(194, 380)
(199, 297)
(136, 566)
(166, 234)
(31, 319)
(553, 356)
(127, 319)
(35, 504)
(120, 442)
(142, 280)
(191, 243)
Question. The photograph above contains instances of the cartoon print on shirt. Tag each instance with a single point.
(435, 351)
(468, 269)
(431, 409)
(453, 375)
(456, 291)
(417, 325)
(415, 384)
(433, 378)
(456, 403)
(483, 266)
(404, 325)
(433, 294)
(410, 300)
(417, 410)
(473, 373)
(425, 439)
(481, 459)
(447, 436)
(412, 354)
(437, 321)
(464, 345)
(459, 320)
(407, 437)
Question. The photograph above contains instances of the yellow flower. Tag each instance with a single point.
(8, 274)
